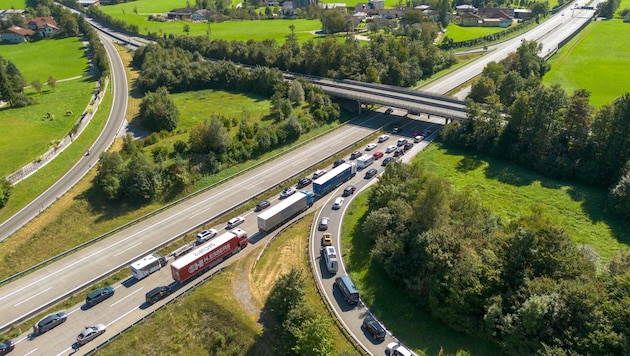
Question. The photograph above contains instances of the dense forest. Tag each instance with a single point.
(512, 115)
(524, 284)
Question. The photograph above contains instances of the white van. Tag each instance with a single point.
(332, 263)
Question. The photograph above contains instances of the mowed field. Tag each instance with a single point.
(597, 60)
(229, 30)
(460, 33)
(26, 133)
(12, 4)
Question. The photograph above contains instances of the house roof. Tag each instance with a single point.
(42, 22)
(20, 30)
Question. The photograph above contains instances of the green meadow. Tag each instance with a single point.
(461, 33)
(13, 4)
(597, 59)
(229, 30)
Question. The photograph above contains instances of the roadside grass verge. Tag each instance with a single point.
(399, 313)
(511, 192)
(27, 133)
(217, 307)
(462, 33)
(62, 58)
(597, 59)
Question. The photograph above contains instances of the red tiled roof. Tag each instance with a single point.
(20, 30)
(42, 22)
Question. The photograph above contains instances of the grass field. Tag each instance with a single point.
(229, 304)
(460, 33)
(13, 4)
(63, 58)
(229, 30)
(597, 60)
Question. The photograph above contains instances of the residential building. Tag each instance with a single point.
(16, 34)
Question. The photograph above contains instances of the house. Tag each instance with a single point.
(88, 3)
(16, 34)
(495, 12)
(5, 14)
(288, 11)
(45, 26)
(201, 15)
(184, 13)
(303, 4)
(462, 9)
(468, 19)
(366, 7)
(435, 15)
(395, 13)
(522, 14)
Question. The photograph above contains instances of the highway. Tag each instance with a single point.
(114, 123)
(54, 282)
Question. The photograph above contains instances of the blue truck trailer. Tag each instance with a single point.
(331, 180)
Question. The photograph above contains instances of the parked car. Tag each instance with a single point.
(338, 162)
(287, 192)
(378, 154)
(90, 333)
(408, 146)
(396, 130)
(49, 321)
(401, 141)
(206, 235)
(356, 154)
(323, 223)
(426, 133)
(338, 203)
(234, 222)
(399, 152)
(418, 138)
(396, 349)
(370, 146)
(349, 190)
(370, 173)
(327, 239)
(6, 347)
(98, 296)
(374, 327)
(304, 182)
(387, 160)
(383, 138)
(263, 205)
(318, 173)
(390, 148)
(389, 111)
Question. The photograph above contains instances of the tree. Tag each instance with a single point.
(620, 196)
(109, 174)
(333, 21)
(211, 136)
(158, 111)
(68, 25)
(7, 93)
(187, 29)
(296, 93)
(140, 181)
(5, 192)
(286, 294)
(37, 85)
(313, 337)
(16, 78)
(52, 81)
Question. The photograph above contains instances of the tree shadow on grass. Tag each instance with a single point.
(104, 209)
(468, 163)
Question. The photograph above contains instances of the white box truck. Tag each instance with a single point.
(365, 161)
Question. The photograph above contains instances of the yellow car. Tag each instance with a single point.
(327, 239)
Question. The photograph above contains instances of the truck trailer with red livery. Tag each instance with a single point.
(208, 254)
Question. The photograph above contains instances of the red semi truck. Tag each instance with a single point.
(208, 254)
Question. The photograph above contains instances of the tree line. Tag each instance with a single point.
(396, 61)
(513, 116)
(168, 169)
(523, 284)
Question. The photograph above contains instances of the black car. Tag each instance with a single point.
(349, 190)
(374, 327)
(408, 146)
(370, 173)
(6, 347)
(304, 182)
(49, 322)
(263, 205)
(338, 162)
(399, 152)
(355, 154)
(387, 160)
(156, 294)
(98, 296)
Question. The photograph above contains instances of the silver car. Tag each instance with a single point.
(49, 321)
(90, 333)
(323, 223)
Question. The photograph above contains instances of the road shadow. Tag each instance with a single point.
(129, 282)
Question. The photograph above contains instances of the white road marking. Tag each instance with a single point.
(122, 316)
(127, 249)
(64, 351)
(30, 352)
(31, 297)
(139, 289)
(79, 308)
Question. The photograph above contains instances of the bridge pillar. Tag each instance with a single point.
(359, 106)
